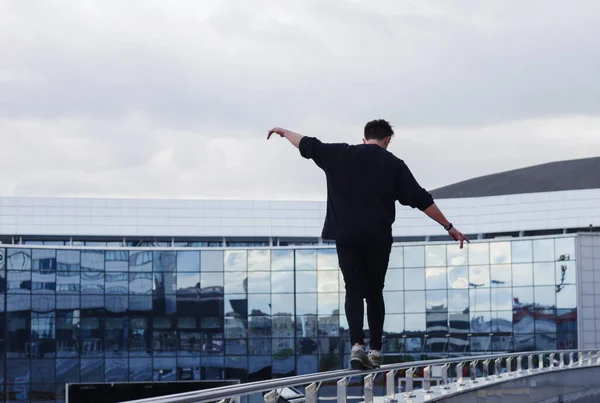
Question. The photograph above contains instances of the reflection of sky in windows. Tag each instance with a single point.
(415, 279)
(500, 253)
(456, 256)
(414, 256)
(188, 261)
(543, 250)
(415, 322)
(306, 259)
(327, 303)
(435, 256)
(259, 260)
(543, 273)
(414, 301)
(259, 282)
(306, 304)
(396, 257)
(458, 277)
(522, 274)
(479, 253)
(234, 282)
(282, 260)
(479, 276)
(458, 300)
(501, 275)
(480, 299)
(282, 282)
(327, 259)
(436, 278)
(501, 298)
(521, 251)
(394, 280)
(216, 260)
(306, 281)
(327, 281)
(436, 300)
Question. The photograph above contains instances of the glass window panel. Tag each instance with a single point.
(500, 253)
(543, 250)
(235, 260)
(458, 277)
(479, 299)
(211, 280)
(19, 282)
(259, 282)
(394, 280)
(327, 259)
(115, 260)
(459, 323)
(502, 322)
(213, 260)
(187, 282)
(138, 261)
(479, 276)
(259, 260)
(67, 371)
(306, 281)
(456, 256)
(140, 283)
(545, 297)
(18, 259)
(92, 281)
(545, 341)
(306, 259)
(306, 304)
(259, 304)
(393, 325)
(414, 256)
(522, 251)
(414, 301)
(415, 279)
(236, 282)
(501, 275)
(436, 300)
(479, 253)
(43, 260)
(163, 261)
(328, 303)
(564, 249)
(415, 323)
(543, 273)
(481, 322)
(140, 369)
(458, 300)
(282, 304)
(501, 299)
(92, 370)
(566, 297)
(282, 260)
(164, 283)
(435, 255)
(188, 261)
(117, 283)
(545, 320)
(522, 297)
(282, 281)
(396, 258)
(565, 273)
(436, 278)
(394, 301)
(522, 274)
(327, 281)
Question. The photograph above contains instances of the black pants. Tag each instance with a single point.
(364, 267)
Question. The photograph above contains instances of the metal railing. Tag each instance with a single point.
(456, 375)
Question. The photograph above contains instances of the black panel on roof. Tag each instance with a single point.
(551, 177)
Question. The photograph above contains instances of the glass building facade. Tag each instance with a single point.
(73, 314)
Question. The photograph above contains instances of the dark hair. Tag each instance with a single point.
(378, 130)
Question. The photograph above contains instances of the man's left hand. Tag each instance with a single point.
(277, 130)
(458, 236)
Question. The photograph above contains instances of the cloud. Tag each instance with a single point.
(173, 99)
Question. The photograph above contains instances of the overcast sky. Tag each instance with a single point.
(173, 99)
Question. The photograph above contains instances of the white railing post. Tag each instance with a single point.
(530, 363)
(271, 397)
(561, 360)
(498, 367)
(311, 393)
(368, 381)
(409, 390)
(580, 354)
(509, 366)
(519, 364)
(459, 374)
(486, 369)
(445, 382)
(427, 379)
(552, 361)
(473, 371)
(342, 395)
(571, 360)
(589, 358)
(541, 363)
(390, 383)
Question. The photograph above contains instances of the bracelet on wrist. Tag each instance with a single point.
(449, 227)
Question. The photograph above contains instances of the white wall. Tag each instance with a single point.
(589, 290)
(147, 217)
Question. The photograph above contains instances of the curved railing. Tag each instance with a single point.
(456, 375)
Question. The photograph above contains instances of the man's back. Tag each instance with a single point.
(363, 183)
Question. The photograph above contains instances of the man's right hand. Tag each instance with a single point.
(458, 236)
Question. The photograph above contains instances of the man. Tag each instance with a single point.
(363, 184)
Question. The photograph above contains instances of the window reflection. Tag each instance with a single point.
(393, 325)
(479, 299)
(564, 249)
(188, 261)
(282, 282)
(282, 259)
(436, 278)
(479, 253)
(500, 253)
(306, 281)
(394, 301)
(217, 260)
(458, 277)
(18, 259)
(436, 300)
(458, 300)
(435, 255)
(479, 276)
(259, 260)
(522, 274)
(138, 261)
(501, 275)
(327, 259)
(414, 301)
(501, 299)
(306, 304)
(415, 323)
(235, 260)
(328, 304)
(566, 297)
(259, 282)
(456, 256)
(327, 281)
(394, 280)
(415, 279)
(236, 283)
(522, 251)
(396, 258)
(543, 250)
(414, 256)
(306, 259)
(543, 273)
(565, 273)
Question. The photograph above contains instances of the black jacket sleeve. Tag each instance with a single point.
(320, 153)
(408, 190)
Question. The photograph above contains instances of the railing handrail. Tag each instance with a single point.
(220, 393)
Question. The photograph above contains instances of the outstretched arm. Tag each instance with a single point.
(292, 137)
(436, 214)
